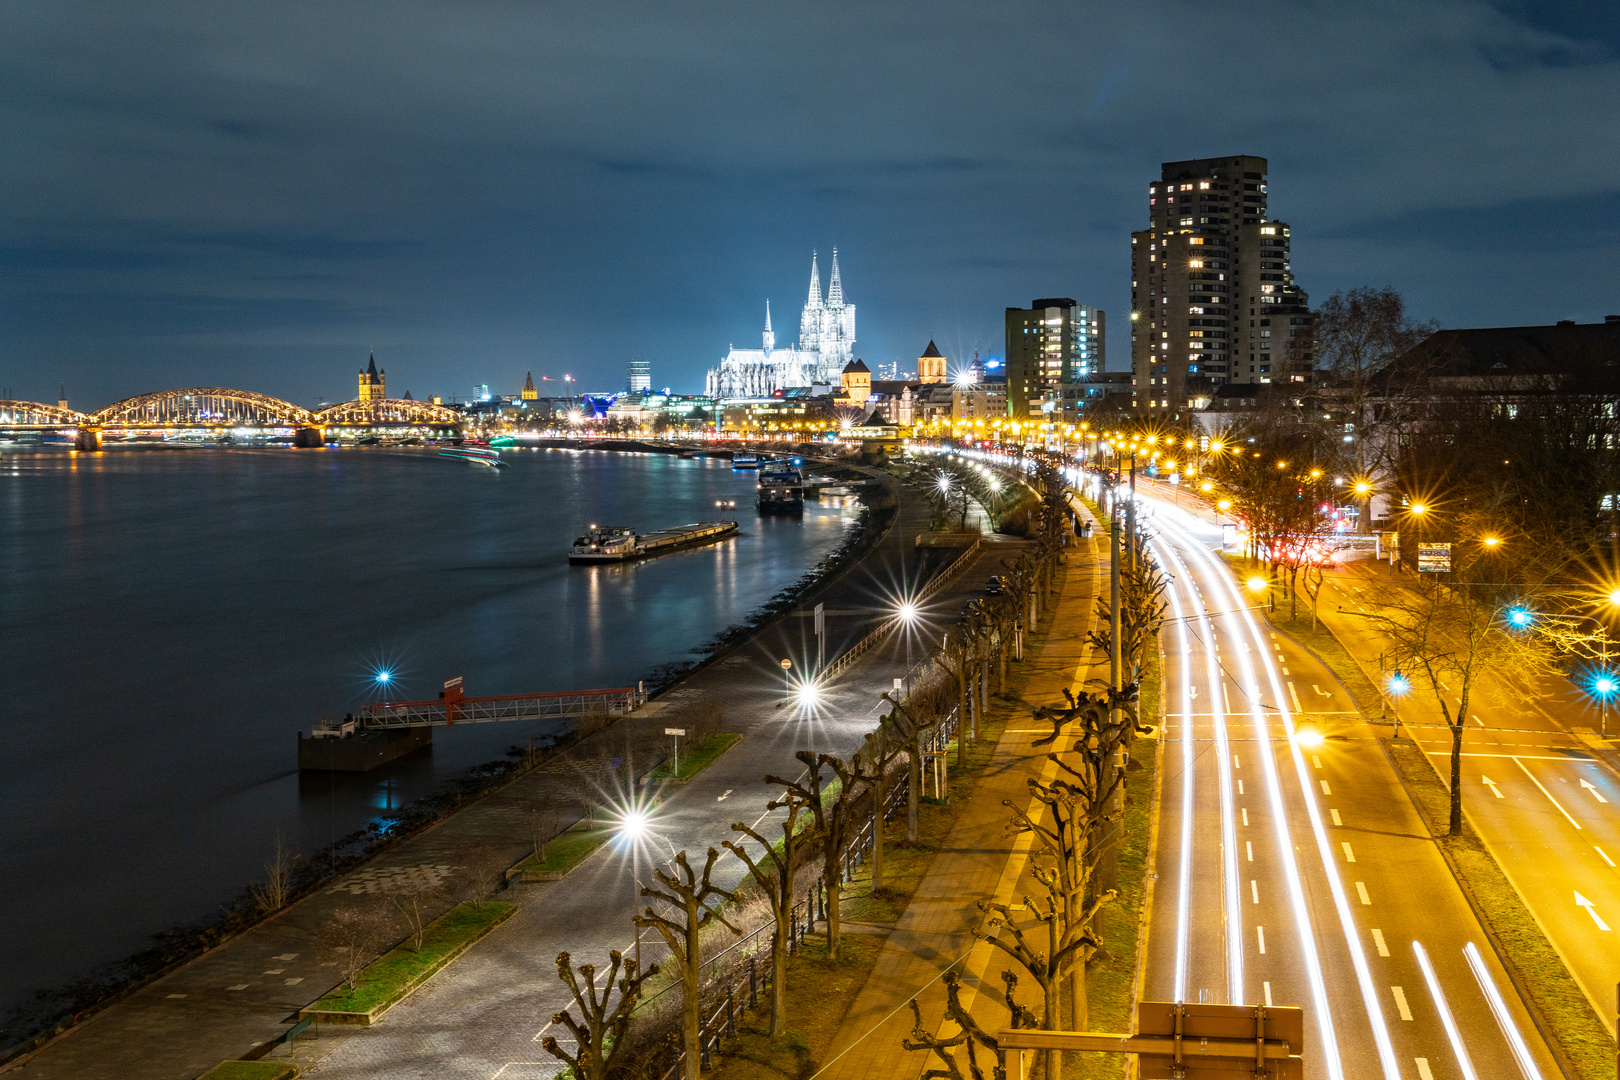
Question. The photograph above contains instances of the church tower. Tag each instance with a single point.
(770, 337)
(372, 382)
(931, 365)
(529, 392)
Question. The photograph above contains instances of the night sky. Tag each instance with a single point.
(256, 195)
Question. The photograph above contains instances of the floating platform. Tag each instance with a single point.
(359, 750)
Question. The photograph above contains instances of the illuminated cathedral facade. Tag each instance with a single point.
(826, 345)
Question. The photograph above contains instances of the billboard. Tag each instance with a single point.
(1434, 558)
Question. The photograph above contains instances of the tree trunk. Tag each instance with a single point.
(779, 959)
(834, 881)
(877, 828)
(1456, 765)
(691, 1000)
(913, 786)
(1054, 1004)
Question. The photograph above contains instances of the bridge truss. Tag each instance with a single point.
(201, 406)
(380, 715)
(385, 412)
(37, 414)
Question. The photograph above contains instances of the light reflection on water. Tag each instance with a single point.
(171, 617)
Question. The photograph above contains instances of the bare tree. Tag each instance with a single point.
(834, 810)
(694, 903)
(775, 872)
(272, 895)
(415, 897)
(355, 935)
(483, 870)
(972, 1035)
(1448, 639)
(604, 1020)
(543, 816)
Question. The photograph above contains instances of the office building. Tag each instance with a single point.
(1050, 343)
(1213, 298)
(639, 380)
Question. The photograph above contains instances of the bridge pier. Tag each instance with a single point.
(88, 438)
(309, 438)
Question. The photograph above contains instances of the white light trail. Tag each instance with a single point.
(1499, 1009)
(1231, 884)
(1220, 580)
(1446, 1018)
(1184, 887)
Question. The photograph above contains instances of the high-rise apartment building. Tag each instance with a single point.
(1051, 343)
(1213, 300)
(640, 377)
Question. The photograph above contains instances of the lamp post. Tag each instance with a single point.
(1398, 685)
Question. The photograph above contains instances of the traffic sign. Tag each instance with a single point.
(1190, 1042)
(786, 664)
(1434, 558)
(674, 731)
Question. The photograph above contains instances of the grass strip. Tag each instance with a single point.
(250, 1070)
(694, 759)
(1563, 1009)
(567, 850)
(392, 976)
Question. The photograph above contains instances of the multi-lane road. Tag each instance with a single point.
(1295, 874)
(1535, 792)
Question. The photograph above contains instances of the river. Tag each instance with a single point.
(170, 617)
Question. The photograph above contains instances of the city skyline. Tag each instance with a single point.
(214, 202)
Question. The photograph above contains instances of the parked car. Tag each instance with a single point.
(994, 587)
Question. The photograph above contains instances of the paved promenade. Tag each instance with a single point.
(481, 1017)
(936, 930)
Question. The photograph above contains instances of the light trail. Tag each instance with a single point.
(1220, 580)
(1184, 888)
(1230, 883)
(1499, 1009)
(1446, 1018)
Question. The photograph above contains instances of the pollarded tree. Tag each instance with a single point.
(775, 871)
(834, 810)
(694, 903)
(599, 1032)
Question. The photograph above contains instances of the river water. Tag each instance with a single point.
(169, 618)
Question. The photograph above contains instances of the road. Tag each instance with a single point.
(1532, 788)
(1294, 875)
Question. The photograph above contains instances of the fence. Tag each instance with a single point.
(485, 710)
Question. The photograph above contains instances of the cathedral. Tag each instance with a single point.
(826, 344)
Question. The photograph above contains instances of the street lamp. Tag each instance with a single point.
(1604, 685)
(1398, 685)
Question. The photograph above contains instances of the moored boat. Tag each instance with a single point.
(615, 543)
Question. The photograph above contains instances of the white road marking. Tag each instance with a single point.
(1595, 793)
(1325, 789)
(1400, 1003)
(1349, 856)
(1582, 901)
(1240, 787)
(1268, 994)
(727, 795)
(1254, 889)
(1321, 692)
(1423, 1069)
(1260, 932)
(1335, 815)
(1605, 855)
(1494, 789)
(1378, 940)
(1316, 762)
(1545, 792)
(1235, 763)
(1361, 891)
(1246, 821)
(1249, 847)
(1294, 694)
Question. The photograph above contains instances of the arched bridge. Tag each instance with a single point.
(219, 407)
(201, 406)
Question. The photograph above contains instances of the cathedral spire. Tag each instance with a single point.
(835, 287)
(770, 336)
(815, 282)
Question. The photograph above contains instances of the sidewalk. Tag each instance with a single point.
(985, 863)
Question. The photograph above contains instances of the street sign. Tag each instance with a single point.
(674, 731)
(821, 618)
(1433, 558)
(786, 664)
(448, 683)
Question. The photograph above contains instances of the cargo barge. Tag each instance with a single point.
(615, 543)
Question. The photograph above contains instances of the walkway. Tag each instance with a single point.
(937, 927)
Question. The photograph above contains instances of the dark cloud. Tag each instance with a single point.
(260, 194)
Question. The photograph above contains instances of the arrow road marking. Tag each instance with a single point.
(1494, 789)
(723, 798)
(1320, 691)
(1587, 904)
(1593, 790)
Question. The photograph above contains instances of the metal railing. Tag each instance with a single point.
(485, 710)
